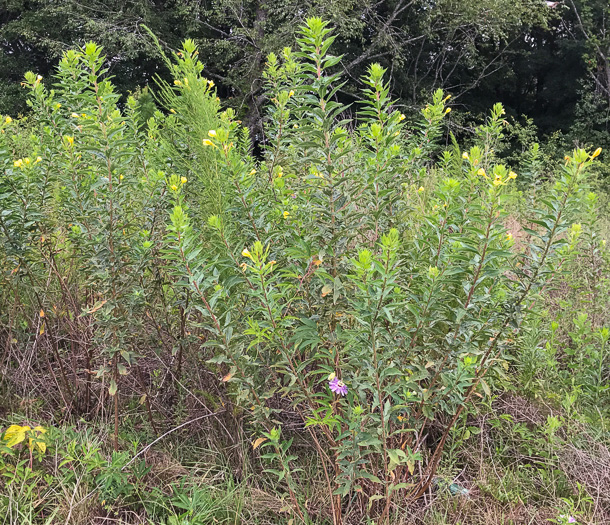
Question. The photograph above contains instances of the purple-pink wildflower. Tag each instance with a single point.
(571, 519)
(338, 387)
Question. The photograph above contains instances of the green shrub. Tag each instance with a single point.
(358, 277)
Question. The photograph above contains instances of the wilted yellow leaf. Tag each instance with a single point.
(14, 435)
(227, 377)
(258, 443)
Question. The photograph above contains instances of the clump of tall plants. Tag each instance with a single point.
(357, 277)
(363, 277)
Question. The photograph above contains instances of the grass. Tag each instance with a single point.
(517, 468)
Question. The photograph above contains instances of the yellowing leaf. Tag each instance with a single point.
(112, 388)
(15, 434)
(143, 399)
(41, 312)
(227, 377)
(326, 289)
(42, 446)
(41, 329)
(429, 364)
(258, 443)
(97, 306)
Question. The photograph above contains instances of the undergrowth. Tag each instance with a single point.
(360, 325)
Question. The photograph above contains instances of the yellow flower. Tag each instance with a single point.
(18, 163)
(174, 187)
(121, 176)
(27, 160)
(57, 106)
(210, 84)
(596, 153)
(332, 376)
(172, 111)
(39, 78)
(246, 253)
(9, 120)
(177, 83)
(465, 155)
(512, 175)
(252, 171)
(421, 188)
(509, 236)
(291, 94)
(183, 180)
(74, 115)
(481, 172)
(186, 81)
(498, 182)
(280, 174)
(402, 117)
(211, 133)
(286, 214)
(448, 110)
(38, 159)
(207, 142)
(69, 140)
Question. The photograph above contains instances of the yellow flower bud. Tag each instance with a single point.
(9, 120)
(38, 159)
(246, 253)
(183, 180)
(448, 110)
(172, 111)
(27, 160)
(286, 214)
(481, 172)
(211, 133)
(121, 176)
(465, 155)
(402, 116)
(174, 187)
(596, 153)
(421, 188)
(210, 84)
(253, 172)
(18, 163)
(291, 94)
(74, 115)
(207, 142)
(69, 140)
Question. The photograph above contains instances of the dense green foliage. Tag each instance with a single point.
(337, 308)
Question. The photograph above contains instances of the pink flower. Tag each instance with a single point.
(338, 387)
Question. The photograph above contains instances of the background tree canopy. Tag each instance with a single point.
(546, 60)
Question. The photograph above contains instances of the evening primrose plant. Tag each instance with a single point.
(338, 284)
(351, 291)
